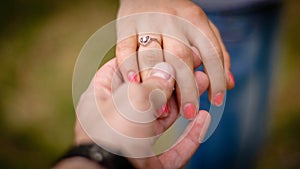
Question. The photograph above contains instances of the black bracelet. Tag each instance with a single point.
(102, 157)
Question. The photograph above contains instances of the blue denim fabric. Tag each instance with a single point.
(250, 36)
(231, 4)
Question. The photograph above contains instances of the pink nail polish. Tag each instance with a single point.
(132, 77)
(218, 99)
(189, 111)
(231, 78)
(163, 111)
(166, 112)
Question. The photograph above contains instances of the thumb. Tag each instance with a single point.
(140, 102)
(188, 143)
(159, 86)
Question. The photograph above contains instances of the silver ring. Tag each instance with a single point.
(145, 40)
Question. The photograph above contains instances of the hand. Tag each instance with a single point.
(180, 29)
(108, 86)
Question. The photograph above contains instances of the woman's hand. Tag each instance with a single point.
(103, 116)
(180, 29)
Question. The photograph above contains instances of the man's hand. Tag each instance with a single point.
(102, 116)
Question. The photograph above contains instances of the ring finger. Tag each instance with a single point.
(149, 53)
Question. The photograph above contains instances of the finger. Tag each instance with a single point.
(126, 58)
(181, 58)
(160, 86)
(107, 77)
(137, 104)
(196, 57)
(229, 77)
(202, 82)
(162, 124)
(188, 143)
(212, 58)
(149, 54)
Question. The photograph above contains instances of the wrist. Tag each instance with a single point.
(77, 163)
(92, 153)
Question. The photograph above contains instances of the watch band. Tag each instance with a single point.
(96, 153)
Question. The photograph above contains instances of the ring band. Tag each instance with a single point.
(145, 40)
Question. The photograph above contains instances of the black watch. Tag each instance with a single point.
(96, 153)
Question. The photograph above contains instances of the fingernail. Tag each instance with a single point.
(163, 111)
(132, 76)
(162, 70)
(189, 111)
(205, 119)
(218, 99)
(166, 112)
(231, 78)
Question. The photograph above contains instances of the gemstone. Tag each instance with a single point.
(144, 40)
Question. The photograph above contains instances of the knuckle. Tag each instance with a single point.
(126, 43)
(179, 50)
(196, 11)
(169, 10)
(124, 51)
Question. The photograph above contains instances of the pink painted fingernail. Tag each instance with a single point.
(189, 111)
(132, 76)
(163, 111)
(218, 99)
(231, 78)
(166, 112)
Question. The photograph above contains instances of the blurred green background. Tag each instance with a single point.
(39, 43)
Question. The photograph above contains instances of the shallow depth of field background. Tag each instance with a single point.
(39, 43)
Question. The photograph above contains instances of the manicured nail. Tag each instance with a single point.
(162, 70)
(132, 76)
(166, 112)
(218, 99)
(163, 111)
(189, 111)
(205, 118)
(231, 78)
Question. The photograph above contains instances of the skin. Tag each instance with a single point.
(206, 48)
(101, 85)
(192, 51)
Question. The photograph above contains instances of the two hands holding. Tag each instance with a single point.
(145, 97)
(155, 82)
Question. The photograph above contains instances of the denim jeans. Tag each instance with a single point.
(251, 38)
